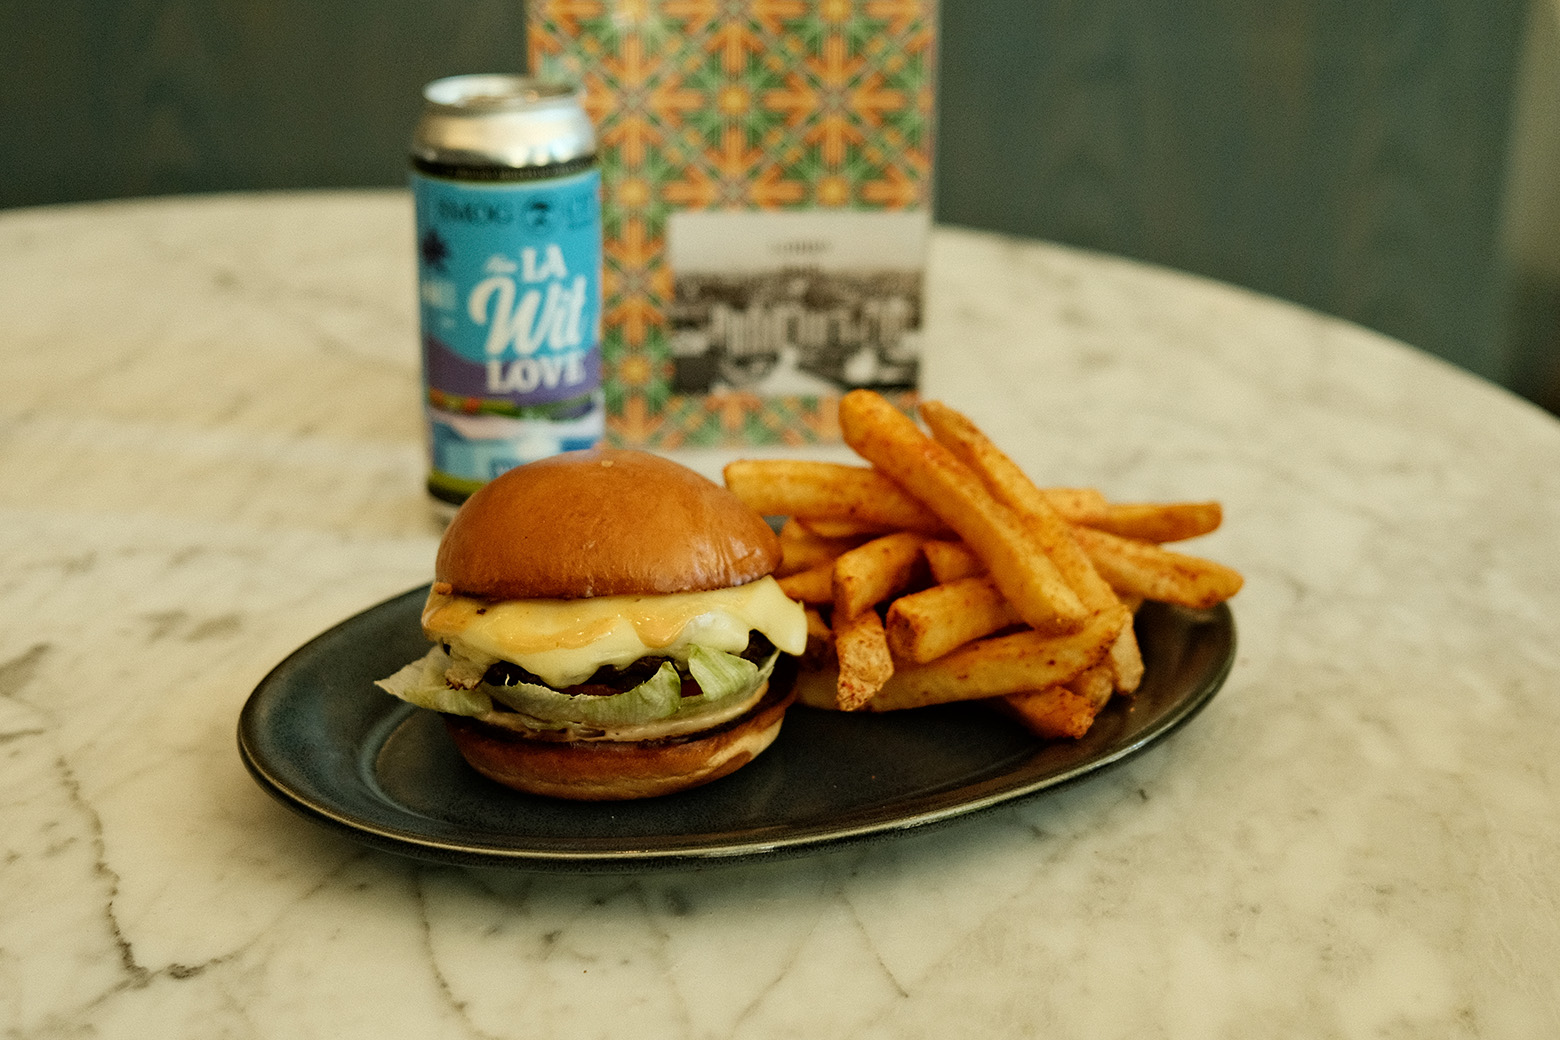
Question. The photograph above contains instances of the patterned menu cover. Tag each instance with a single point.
(767, 175)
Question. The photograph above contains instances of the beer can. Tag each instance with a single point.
(508, 206)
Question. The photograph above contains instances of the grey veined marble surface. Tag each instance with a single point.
(212, 452)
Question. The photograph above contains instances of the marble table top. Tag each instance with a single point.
(211, 453)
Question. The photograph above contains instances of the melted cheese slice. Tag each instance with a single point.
(564, 641)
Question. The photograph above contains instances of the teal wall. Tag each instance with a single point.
(111, 98)
(1351, 155)
(1347, 155)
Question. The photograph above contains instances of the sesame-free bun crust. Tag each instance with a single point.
(617, 771)
(603, 522)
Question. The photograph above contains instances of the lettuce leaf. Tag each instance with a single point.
(655, 698)
(721, 677)
(422, 683)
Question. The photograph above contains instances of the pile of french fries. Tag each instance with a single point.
(939, 572)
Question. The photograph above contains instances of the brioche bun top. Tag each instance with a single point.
(602, 522)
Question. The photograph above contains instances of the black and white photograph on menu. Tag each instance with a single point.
(796, 303)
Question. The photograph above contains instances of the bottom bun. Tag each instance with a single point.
(607, 770)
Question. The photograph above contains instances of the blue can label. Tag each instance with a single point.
(509, 283)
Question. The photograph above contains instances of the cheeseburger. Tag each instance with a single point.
(605, 626)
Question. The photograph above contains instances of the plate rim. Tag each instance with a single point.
(408, 842)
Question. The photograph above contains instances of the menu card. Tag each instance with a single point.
(767, 172)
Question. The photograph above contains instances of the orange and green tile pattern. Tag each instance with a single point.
(733, 104)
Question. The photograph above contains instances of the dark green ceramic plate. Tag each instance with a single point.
(319, 736)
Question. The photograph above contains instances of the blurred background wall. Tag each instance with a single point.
(1394, 163)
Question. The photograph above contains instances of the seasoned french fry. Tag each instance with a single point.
(855, 530)
(1067, 710)
(801, 547)
(864, 661)
(950, 561)
(1010, 486)
(820, 644)
(1076, 505)
(1158, 522)
(1126, 661)
(925, 625)
(1001, 665)
(1031, 610)
(1096, 684)
(890, 440)
(1146, 570)
(1052, 713)
(871, 573)
(828, 491)
(814, 585)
